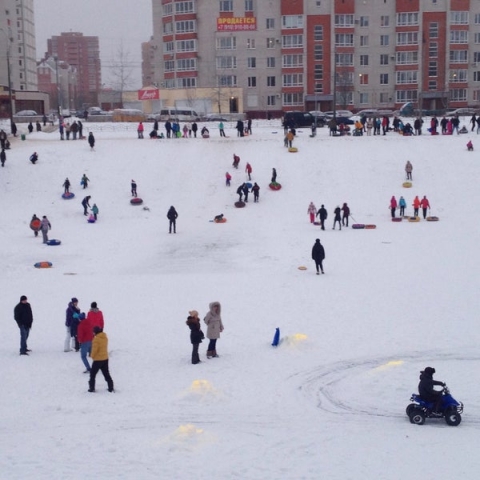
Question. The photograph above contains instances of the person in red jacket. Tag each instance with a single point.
(416, 206)
(424, 203)
(248, 169)
(85, 337)
(95, 316)
(393, 205)
(140, 130)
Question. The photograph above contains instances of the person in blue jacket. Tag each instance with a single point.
(71, 324)
(402, 204)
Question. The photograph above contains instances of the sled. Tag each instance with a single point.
(35, 225)
(293, 149)
(358, 226)
(317, 223)
(407, 184)
(276, 338)
(397, 219)
(205, 135)
(239, 204)
(91, 219)
(68, 196)
(370, 226)
(43, 265)
(413, 219)
(302, 267)
(432, 219)
(275, 186)
(53, 242)
(136, 201)
(223, 220)
(249, 185)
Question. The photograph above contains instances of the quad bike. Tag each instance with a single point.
(450, 409)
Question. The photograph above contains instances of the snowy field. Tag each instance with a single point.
(329, 401)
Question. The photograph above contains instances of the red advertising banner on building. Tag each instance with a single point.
(236, 24)
(149, 94)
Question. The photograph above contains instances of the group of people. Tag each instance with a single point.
(244, 189)
(424, 204)
(75, 129)
(341, 215)
(42, 225)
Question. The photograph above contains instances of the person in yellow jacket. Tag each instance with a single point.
(99, 355)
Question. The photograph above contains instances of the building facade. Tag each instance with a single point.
(309, 54)
(82, 53)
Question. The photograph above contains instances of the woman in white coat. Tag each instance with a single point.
(213, 320)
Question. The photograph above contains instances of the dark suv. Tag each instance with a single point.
(302, 119)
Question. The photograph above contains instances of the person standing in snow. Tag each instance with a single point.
(140, 130)
(85, 337)
(213, 320)
(248, 170)
(23, 315)
(322, 214)
(228, 177)
(66, 185)
(86, 204)
(393, 205)
(91, 140)
(172, 216)
(196, 334)
(425, 204)
(71, 323)
(402, 204)
(318, 255)
(409, 169)
(245, 191)
(95, 211)
(312, 210)
(35, 224)
(3, 157)
(134, 188)
(337, 218)
(84, 181)
(240, 192)
(95, 316)
(99, 355)
(256, 192)
(45, 227)
(345, 214)
(274, 175)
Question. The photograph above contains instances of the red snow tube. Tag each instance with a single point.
(396, 219)
(136, 201)
(275, 186)
(239, 204)
(68, 195)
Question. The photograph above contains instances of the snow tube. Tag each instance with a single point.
(136, 201)
(53, 242)
(407, 184)
(370, 226)
(68, 196)
(302, 267)
(275, 186)
(413, 219)
(249, 185)
(276, 338)
(91, 219)
(293, 149)
(35, 225)
(432, 219)
(317, 223)
(239, 204)
(358, 226)
(397, 219)
(43, 265)
(205, 135)
(223, 220)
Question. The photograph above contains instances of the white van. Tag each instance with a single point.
(179, 114)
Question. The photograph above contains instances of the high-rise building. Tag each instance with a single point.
(310, 54)
(82, 53)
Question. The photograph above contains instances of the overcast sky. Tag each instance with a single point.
(113, 21)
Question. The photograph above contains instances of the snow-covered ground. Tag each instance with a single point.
(329, 401)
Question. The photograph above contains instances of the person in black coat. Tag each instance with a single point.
(318, 255)
(240, 190)
(337, 218)
(426, 387)
(30, 127)
(322, 214)
(23, 315)
(3, 157)
(172, 217)
(168, 128)
(34, 157)
(246, 191)
(346, 214)
(86, 204)
(91, 140)
(194, 129)
(196, 334)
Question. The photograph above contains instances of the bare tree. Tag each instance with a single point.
(121, 71)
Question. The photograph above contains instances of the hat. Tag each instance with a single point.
(97, 329)
(81, 316)
(93, 305)
(193, 313)
(429, 371)
(22, 298)
(74, 300)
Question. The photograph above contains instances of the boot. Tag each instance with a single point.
(214, 354)
(210, 353)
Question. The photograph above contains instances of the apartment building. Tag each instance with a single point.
(82, 53)
(307, 54)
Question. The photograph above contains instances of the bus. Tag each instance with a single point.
(179, 114)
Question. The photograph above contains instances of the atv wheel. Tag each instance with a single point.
(417, 417)
(410, 408)
(452, 417)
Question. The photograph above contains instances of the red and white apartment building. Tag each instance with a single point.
(302, 54)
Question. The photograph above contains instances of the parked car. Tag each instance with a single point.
(461, 112)
(302, 119)
(344, 120)
(339, 113)
(214, 117)
(96, 111)
(26, 113)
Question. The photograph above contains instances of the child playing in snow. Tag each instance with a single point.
(228, 177)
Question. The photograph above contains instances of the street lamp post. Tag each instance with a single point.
(55, 57)
(10, 97)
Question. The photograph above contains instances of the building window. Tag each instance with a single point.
(250, 43)
(344, 21)
(384, 40)
(364, 40)
(318, 72)
(292, 21)
(433, 49)
(318, 53)
(270, 23)
(186, 82)
(477, 38)
(364, 21)
(293, 80)
(318, 33)
(433, 69)
(292, 41)
(291, 99)
(433, 30)
(363, 99)
(319, 88)
(458, 95)
(168, 28)
(458, 18)
(363, 77)
(383, 59)
(402, 96)
(292, 61)
(252, 82)
(477, 19)
(184, 7)
(226, 43)
(186, 26)
(407, 19)
(167, 9)
(186, 64)
(186, 46)
(407, 38)
(227, 81)
(252, 62)
(476, 57)
(363, 60)
(226, 5)
(432, 84)
(270, 42)
(344, 39)
(271, 100)
(407, 76)
(270, 62)
(458, 36)
(384, 79)
(344, 59)
(458, 56)
(249, 5)
(476, 95)
(384, 21)
(408, 58)
(226, 62)
(458, 76)
(271, 82)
